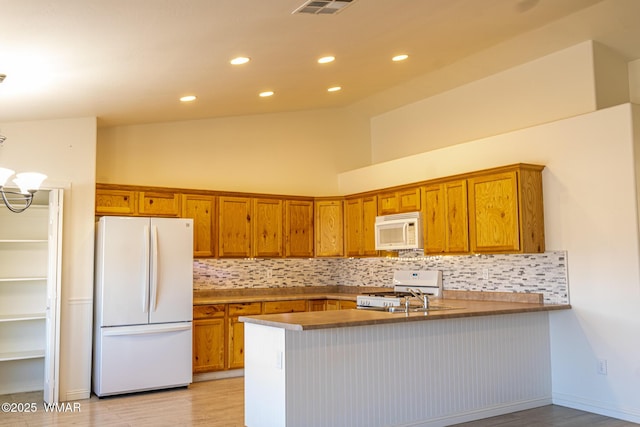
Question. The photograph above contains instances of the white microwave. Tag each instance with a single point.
(401, 231)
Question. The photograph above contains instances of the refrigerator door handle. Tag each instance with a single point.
(154, 267)
(145, 329)
(145, 276)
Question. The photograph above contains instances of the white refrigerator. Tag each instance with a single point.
(143, 304)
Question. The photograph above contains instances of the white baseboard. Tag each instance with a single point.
(597, 407)
(483, 413)
(208, 376)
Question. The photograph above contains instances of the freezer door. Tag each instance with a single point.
(138, 358)
(171, 289)
(122, 271)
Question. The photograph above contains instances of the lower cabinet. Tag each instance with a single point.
(218, 336)
(208, 337)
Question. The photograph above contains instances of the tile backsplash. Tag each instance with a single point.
(544, 273)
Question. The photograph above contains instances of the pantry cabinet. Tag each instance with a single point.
(360, 218)
(329, 230)
(30, 251)
(201, 208)
(298, 231)
(506, 210)
(446, 218)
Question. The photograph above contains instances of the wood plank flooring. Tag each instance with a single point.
(220, 403)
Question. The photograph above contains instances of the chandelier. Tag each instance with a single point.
(27, 182)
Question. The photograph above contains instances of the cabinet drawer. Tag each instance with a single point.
(208, 311)
(245, 309)
(159, 203)
(289, 306)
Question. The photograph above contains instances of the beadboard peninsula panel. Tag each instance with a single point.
(432, 373)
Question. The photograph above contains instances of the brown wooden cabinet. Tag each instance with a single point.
(115, 202)
(298, 228)
(329, 228)
(287, 306)
(267, 228)
(335, 304)
(201, 208)
(235, 342)
(399, 201)
(316, 305)
(234, 226)
(209, 337)
(159, 203)
(506, 210)
(446, 218)
(360, 218)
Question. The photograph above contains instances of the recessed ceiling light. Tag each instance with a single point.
(399, 57)
(334, 89)
(266, 93)
(326, 59)
(240, 60)
(188, 98)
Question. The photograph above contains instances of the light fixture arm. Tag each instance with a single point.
(27, 199)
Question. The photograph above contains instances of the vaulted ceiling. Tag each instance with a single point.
(129, 62)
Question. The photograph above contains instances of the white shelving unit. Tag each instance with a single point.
(24, 270)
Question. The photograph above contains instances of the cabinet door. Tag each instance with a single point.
(158, 203)
(201, 209)
(346, 305)
(434, 219)
(298, 231)
(115, 202)
(267, 228)
(234, 234)
(316, 305)
(369, 213)
(208, 345)
(493, 213)
(409, 200)
(457, 223)
(235, 344)
(329, 228)
(387, 203)
(354, 227)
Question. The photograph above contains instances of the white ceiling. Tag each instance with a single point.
(128, 61)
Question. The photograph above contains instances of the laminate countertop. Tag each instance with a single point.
(456, 308)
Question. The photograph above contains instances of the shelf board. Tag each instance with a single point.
(22, 279)
(24, 240)
(21, 355)
(22, 317)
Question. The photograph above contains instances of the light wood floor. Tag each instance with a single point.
(220, 403)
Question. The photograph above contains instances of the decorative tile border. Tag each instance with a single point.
(544, 273)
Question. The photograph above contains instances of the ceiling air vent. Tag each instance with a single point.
(323, 7)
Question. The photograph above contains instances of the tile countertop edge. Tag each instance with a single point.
(305, 321)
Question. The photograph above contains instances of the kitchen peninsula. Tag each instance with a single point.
(372, 368)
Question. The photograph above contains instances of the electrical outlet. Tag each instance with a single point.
(485, 273)
(601, 369)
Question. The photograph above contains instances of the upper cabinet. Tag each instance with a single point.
(234, 227)
(201, 208)
(506, 213)
(298, 228)
(496, 210)
(445, 218)
(115, 202)
(399, 201)
(360, 217)
(329, 228)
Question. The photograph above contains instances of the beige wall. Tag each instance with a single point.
(591, 211)
(64, 150)
(290, 153)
